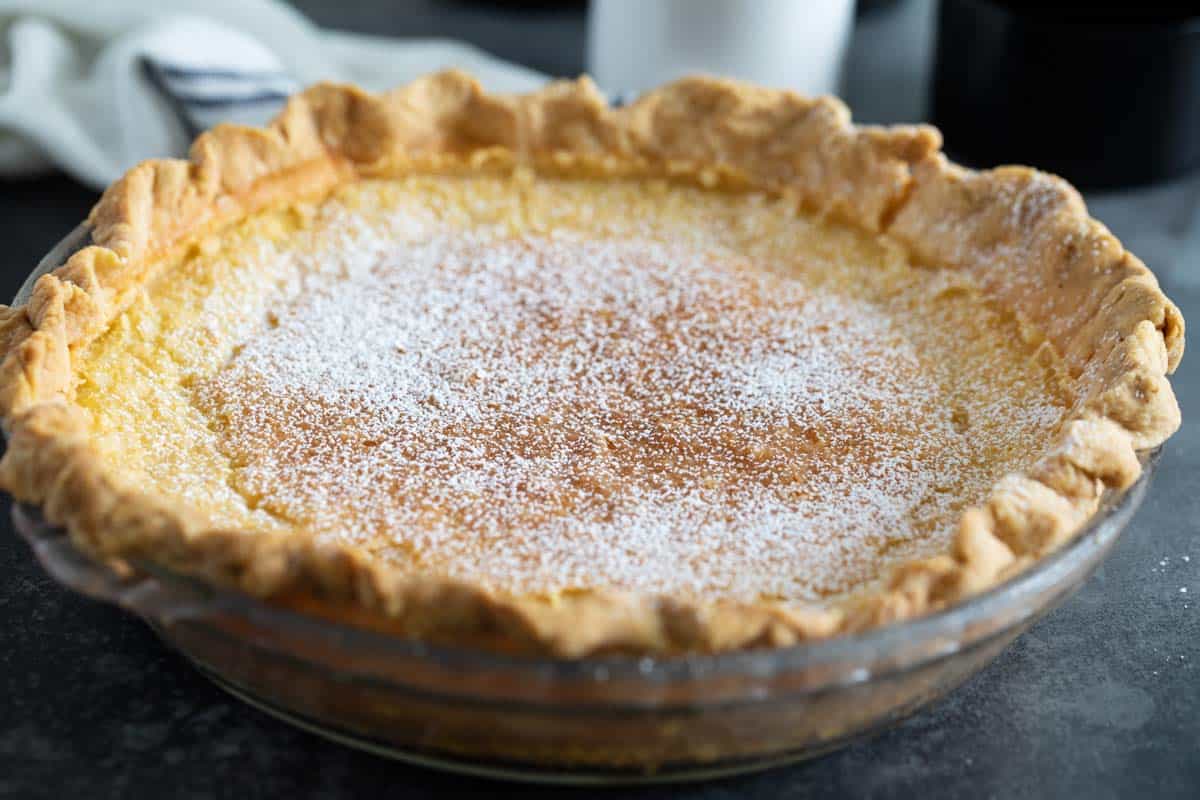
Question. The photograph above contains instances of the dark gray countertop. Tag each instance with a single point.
(1100, 699)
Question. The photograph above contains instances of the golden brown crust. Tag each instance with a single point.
(1024, 237)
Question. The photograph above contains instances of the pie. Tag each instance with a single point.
(715, 370)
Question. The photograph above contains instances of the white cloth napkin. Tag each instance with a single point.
(94, 86)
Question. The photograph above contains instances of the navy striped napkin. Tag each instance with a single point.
(201, 97)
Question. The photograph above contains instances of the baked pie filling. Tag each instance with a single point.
(571, 385)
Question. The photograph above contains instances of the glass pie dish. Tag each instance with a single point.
(596, 719)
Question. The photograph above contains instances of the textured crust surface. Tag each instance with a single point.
(1024, 236)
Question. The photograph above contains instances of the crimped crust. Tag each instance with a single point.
(1024, 237)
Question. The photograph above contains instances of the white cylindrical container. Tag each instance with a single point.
(634, 45)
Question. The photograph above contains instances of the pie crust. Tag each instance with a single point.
(1023, 238)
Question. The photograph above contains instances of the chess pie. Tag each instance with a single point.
(715, 370)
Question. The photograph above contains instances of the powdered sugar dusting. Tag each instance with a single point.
(550, 412)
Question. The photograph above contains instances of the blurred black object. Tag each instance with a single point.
(864, 7)
(517, 5)
(1104, 96)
